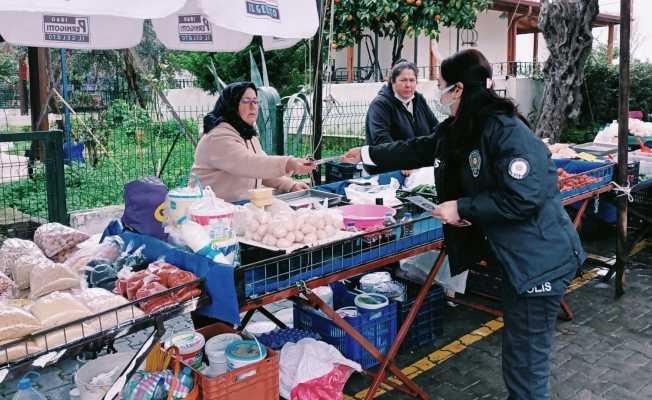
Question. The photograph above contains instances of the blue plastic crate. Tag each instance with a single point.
(278, 338)
(378, 327)
(428, 325)
(603, 171)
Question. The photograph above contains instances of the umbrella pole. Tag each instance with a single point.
(317, 94)
(623, 132)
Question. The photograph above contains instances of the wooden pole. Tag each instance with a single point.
(610, 45)
(317, 95)
(38, 95)
(349, 64)
(623, 132)
(535, 50)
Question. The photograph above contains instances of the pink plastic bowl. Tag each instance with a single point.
(365, 215)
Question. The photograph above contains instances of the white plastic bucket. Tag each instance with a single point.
(92, 369)
(214, 350)
(244, 352)
(178, 201)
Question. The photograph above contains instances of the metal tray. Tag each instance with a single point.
(306, 198)
(598, 149)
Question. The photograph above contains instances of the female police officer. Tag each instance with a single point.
(491, 170)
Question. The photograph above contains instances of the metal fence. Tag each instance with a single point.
(371, 74)
(32, 189)
(104, 151)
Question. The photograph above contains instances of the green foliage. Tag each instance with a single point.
(286, 67)
(126, 117)
(8, 68)
(579, 134)
(601, 92)
(397, 18)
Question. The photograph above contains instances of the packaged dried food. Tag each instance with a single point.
(99, 300)
(162, 270)
(22, 268)
(54, 238)
(156, 303)
(13, 248)
(48, 278)
(7, 287)
(58, 308)
(16, 323)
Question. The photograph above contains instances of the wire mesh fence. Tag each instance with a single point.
(105, 149)
(31, 182)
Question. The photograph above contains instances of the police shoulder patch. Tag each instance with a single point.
(475, 162)
(518, 168)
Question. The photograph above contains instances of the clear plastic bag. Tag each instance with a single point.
(99, 300)
(58, 308)
(7, 288)
(13, 248)
(54, 238)
(16, 322)
(23, 266)
(48, 278)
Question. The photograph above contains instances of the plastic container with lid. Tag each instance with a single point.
(191, 346)
(215, 215)
(214, 350)
(178, 201)
(368, 281)
(366, 302)
(244, 352)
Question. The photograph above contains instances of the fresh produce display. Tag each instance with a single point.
(567, 181)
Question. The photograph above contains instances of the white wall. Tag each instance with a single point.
(492, 41)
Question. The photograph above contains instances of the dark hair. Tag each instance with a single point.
(478, 102)
(399, 66)
(226, 110)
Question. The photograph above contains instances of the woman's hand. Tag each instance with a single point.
(299, 186)
(447, 212)
(299, 166)
(353, 156)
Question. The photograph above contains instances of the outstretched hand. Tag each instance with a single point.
(353, 156)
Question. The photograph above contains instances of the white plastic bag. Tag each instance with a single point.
(306, 360)
(418, 267)
(421, 176)
(367, 194)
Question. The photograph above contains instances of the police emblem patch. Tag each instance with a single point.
(519, 168)
(475, 162)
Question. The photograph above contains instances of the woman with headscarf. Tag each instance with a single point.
(229, 157)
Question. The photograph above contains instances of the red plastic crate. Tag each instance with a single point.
(262, 384)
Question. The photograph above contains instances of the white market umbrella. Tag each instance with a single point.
(193, 25)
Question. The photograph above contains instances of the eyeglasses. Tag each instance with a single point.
(249, 101)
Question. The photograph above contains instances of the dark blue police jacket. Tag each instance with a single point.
(507, 188)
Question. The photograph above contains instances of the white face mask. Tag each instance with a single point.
(446, 109)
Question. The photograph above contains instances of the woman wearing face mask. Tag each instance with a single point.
(229, 157)
(493, 171)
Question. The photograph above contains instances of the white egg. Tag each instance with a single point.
(298, 236)
(308, 228)
(269, 240)
(284, 243)
(321, 235)
(252, 224)
(257, 237)
(330, 230)
(263, 217)
(262, 229)
(291, 237)
(309, 238)
(279, 231)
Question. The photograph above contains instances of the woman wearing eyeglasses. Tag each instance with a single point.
(229, 157)
(491, 170)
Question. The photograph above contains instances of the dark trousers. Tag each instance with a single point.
(527, 343)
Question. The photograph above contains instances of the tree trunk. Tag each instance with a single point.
(132, 79)
(566, 26)
(397, 49)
